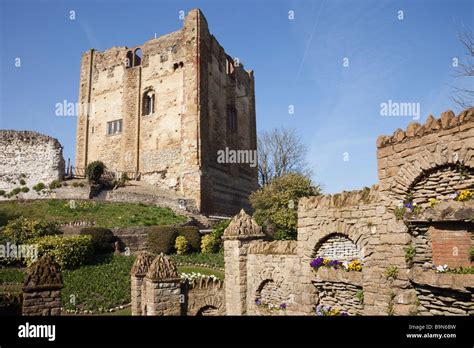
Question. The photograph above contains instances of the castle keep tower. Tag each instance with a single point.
(164, 109)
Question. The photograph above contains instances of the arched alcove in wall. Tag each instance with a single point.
(337, 246)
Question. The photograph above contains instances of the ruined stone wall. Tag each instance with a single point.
(170, 145)
(29, 156)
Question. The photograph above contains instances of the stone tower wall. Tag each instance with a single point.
(175, 147)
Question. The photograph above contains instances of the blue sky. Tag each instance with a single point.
(297, 62)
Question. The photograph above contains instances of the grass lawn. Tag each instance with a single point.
(105, 284)
(11, 275)
(104, 214)
(212, 260)
(202, 270)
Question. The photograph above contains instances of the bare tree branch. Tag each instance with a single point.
(464, 97)
(280, 152)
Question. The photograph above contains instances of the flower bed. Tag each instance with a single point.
(354, 265)
(409, 209)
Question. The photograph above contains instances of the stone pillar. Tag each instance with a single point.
(42, 288)
(137, 273)
(163, 288)
(237, 236)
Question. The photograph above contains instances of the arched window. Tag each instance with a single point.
(129, 60)
(138, 57)
(148, 103)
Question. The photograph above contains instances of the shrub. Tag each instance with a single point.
(75, 184)
(94, 171)
(65, 184)
(55, 184)
(22, 182)
(192, 235)
(181, 245)
(102, 239)
(25, 189)
(22, 229)
(218, 232)
(275, 204)
(69, 252)
(471, 253)
(15, 191)
(208, 244)
(39, 186)
(2, 192)
(161, 239)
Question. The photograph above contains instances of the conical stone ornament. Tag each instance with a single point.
(243, 226)
(142, 264)
(162, 269)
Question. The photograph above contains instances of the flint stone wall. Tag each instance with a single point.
(29, 156)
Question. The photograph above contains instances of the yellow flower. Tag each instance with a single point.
(325, 261)
(358, 268)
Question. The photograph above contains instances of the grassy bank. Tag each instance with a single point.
(104, 214)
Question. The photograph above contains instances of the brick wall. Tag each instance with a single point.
(450, 247)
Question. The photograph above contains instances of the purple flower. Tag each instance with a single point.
(318, 310)
(258, 302)
(409, 205)
(334, 263)
(344, 314)
(283, 306)
(317, 262)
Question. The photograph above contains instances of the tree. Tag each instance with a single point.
(95, 170)
(463, 96)
(275, 205)
(280, 152)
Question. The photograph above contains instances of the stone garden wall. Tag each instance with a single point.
(156, 289)
(417, 218)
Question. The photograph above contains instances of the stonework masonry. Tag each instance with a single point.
(164, 109)
(430, 161)
(31, 157)
(156, 289)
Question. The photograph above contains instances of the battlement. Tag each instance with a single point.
(447, 121)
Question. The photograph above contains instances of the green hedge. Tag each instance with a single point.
(102, 239)
(69, 252)
(161, 239)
